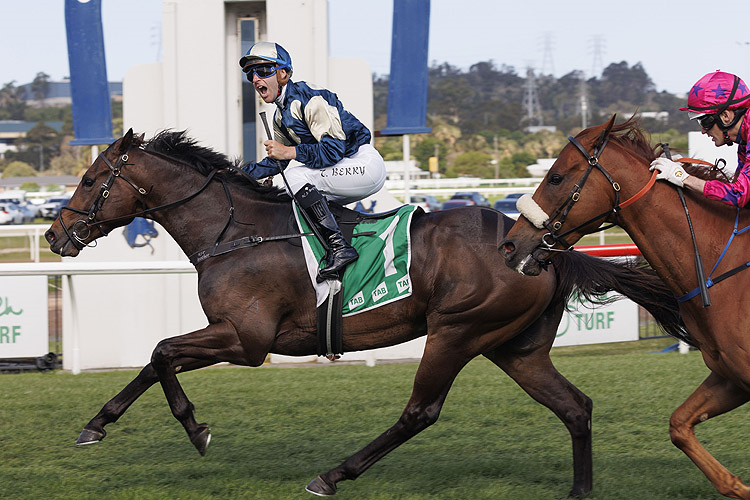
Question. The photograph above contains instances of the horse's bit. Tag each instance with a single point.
(80, 230)
(554, 237)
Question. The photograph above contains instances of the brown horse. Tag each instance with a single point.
(463, 298)
(594, 177)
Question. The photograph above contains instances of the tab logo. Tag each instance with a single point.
(356, 301)
(380, 292)
(403, 284)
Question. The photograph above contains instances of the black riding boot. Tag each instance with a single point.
(340, 252)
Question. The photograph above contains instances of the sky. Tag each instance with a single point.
(552, 36)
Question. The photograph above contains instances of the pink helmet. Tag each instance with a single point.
(716, 92)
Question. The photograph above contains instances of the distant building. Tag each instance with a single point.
(61, 182)
(659, 116)
(540, 168)
(396, 170)
(10, 130)
(58, 94)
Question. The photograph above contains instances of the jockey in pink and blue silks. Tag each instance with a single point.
(718, 102)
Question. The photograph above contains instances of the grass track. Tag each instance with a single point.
(276, 428)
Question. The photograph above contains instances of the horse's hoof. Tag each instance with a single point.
(90, 436)
(201, 439)
(320, 487)
(579, 493)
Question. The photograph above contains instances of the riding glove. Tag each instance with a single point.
(670, 171)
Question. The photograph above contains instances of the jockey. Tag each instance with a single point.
(718, 102)
(311, 126)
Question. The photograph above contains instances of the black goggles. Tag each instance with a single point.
(706, 122)
(262, 70)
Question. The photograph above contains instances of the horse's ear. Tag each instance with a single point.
(610, 124)
(605, 133)
(126, 141)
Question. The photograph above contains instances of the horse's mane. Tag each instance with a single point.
(177, 146)
(631, 136)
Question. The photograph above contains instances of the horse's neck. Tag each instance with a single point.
(198, 223)
(658, 226)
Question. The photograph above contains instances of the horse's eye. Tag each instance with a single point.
(555, 179)
(88, 182)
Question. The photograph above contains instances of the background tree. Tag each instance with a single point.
(40, 87)
(11, 105)
(18, 169)
(426, 149)
(474, 164)
(41, 142)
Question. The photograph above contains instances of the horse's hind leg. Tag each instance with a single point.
(439, 366)
(716, 395)
(536, 375)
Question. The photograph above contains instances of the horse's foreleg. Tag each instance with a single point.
(214, 344)
(716, 395)
(94, 431)
(437, 370)
(536, 375)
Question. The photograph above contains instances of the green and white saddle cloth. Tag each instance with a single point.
(380, 275)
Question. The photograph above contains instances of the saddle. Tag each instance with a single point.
(372, 281)
(330, 311)
(347, 219)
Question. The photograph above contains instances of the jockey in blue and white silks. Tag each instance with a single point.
(312, 127)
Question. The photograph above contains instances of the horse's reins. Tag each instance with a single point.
(313, 227)
(552, 237)
(75, 235)
(115, 173)
(699, 271)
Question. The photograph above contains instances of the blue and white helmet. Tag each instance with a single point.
(265, 52)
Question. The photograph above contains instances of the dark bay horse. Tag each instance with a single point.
(617, 159)
(258, 299)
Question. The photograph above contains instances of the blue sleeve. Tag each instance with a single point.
(264, 168)
(327, 152)
(322, 117)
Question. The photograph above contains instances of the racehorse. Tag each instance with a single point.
(257, 299)
(603, 175)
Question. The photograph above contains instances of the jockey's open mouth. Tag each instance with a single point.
(262, 89)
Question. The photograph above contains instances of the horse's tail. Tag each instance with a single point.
(593, 277)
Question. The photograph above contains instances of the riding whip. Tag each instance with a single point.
(698, 261)
(310, 223)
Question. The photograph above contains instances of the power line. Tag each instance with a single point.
(548, 64)
(531, 105)
(598, 44)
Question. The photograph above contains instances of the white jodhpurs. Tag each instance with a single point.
(350, 180)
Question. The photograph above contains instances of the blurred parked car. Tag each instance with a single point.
(9, 214)
(428, 202)
(50, 209)
(28, 211)
(466, 200)
(508, 205)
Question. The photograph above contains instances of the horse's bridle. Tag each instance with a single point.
(554, 236)
(81, 229)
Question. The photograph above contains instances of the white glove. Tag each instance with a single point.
(670, 171)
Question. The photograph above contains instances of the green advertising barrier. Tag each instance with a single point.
(588, 324)
(24, 325)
